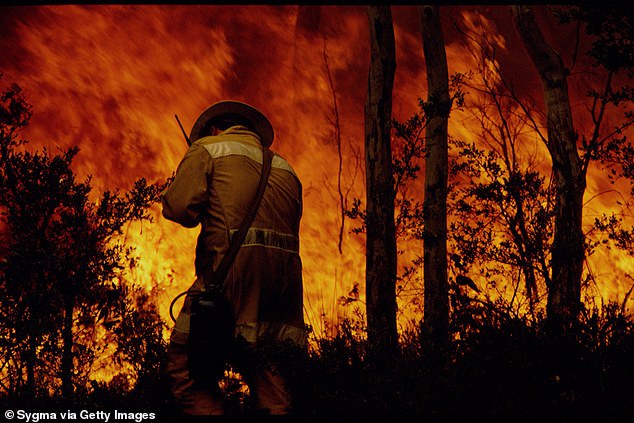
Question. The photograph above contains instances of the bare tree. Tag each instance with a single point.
(609, 27)
(564, 295)
(436, 303)
(503, 212)
(380, 233)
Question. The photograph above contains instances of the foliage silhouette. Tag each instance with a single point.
(66, 300)
(499, 363)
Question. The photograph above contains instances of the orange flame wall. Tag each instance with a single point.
(110, 79)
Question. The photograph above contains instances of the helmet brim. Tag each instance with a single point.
(260, 123)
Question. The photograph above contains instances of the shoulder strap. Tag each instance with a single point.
(216, 279)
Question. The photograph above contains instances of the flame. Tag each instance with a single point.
(109, 78)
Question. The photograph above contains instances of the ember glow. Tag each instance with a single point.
(109, 79)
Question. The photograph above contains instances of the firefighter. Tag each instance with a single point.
(213, 186)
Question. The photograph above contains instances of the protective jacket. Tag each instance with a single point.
(213, 186)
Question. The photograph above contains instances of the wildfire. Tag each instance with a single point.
(110, 78)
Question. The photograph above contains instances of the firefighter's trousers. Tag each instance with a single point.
(268, 387)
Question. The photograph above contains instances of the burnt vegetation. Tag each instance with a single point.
(67, 309)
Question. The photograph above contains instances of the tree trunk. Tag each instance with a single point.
(564, 294)
(436, 301)
(381, 234)
(67, 350)
(30, 358)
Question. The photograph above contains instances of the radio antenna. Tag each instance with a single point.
(182, 129)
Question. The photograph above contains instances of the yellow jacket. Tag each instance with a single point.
(214, 186)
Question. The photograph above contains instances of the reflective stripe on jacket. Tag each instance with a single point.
(213, 186)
